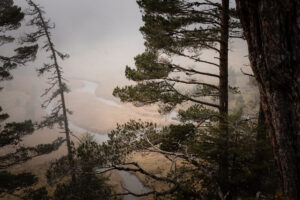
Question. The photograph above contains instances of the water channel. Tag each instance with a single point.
(130, 181)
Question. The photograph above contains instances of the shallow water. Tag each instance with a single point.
(91, 87)
(133, 184)
(100, 138)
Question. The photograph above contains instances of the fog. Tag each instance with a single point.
(101, 37)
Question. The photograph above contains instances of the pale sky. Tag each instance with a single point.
(101, 36)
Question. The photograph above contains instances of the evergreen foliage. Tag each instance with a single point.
(184, 29)
(199, 150)
(57, 89)
(12, 133)
(37, 194)
(172, 29)
(89, 185)
(221, 148)
(213, 155)
(10, 19)
(10, 182)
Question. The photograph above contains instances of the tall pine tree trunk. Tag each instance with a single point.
(223, 85)
(61, 85)
(272, 32)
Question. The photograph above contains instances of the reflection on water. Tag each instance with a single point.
(133, 184)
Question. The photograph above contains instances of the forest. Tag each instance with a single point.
(208, 107)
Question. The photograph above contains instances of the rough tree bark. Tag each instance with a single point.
(223, 101)
(272, 31)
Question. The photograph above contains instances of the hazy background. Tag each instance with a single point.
(101, 37)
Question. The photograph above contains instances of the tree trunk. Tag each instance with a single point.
(61, 90)
(260, 151)
(272, 32)
(223, 85)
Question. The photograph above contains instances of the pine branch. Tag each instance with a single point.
(191, 70)
(191, 99)
(193, 58)
(192, 82)
(24, 154)
(155, 193)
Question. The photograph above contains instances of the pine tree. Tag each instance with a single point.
(58, 87)
(183, 29)
(89, 185)
(194, 154)
(11, 134)
(10, 19)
